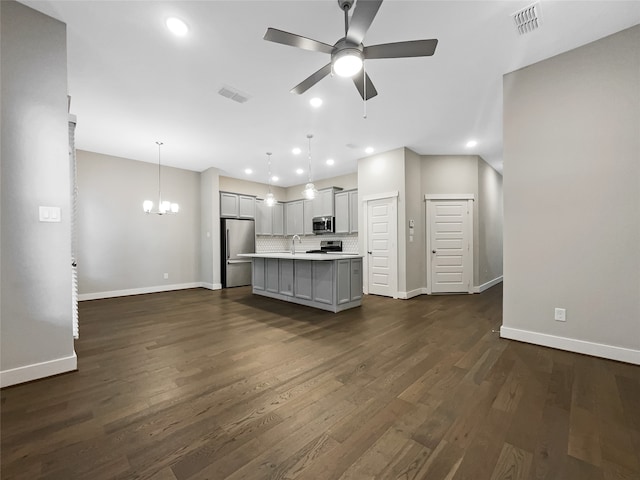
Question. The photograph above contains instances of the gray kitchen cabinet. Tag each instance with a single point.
(233, 205)
(269, 220)
(277, 213)
(353, 211)
(258, 274)
(333, 284)
(323, 203)
(264, 219)
(294, 214)
(228, 205)
(342, 212)
(303, 282)
(286, 277)
(346, 204)
(356, 279)
(323, 282)
(343, 281)
(272, 275)
(307, 214)
(246, 206)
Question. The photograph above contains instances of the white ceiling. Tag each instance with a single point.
(132, 82)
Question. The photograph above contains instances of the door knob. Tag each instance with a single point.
(433, 251)
(369, 253)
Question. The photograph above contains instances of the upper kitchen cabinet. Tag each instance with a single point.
(233, 205)
(269, 220)
(346, 205)
(294, 218)
(323, 203)
(307, 217)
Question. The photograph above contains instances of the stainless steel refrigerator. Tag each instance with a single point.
(238, 236)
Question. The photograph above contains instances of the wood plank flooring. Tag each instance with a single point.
(197, 384)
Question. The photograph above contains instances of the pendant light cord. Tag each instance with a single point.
(309, 176)
(269, 170)
(159, 187)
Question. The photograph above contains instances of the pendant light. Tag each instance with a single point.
(270, 200)
(164, 207)
(310, 190)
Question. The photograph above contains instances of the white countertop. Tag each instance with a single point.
(302, 255)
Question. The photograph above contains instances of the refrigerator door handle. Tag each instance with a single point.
(227, 244)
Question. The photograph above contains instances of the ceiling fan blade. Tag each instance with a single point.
(286, 38)
(361, 19)
(413, 48)
(358, 81)
(310, 81)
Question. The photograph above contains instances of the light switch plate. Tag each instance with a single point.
(49, 214)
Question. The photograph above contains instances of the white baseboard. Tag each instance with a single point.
(211, 286)
(611, 352)
(38, 370)
(489, 284)
(138, 291)
(412, 293)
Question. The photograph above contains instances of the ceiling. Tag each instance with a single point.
(132, 82)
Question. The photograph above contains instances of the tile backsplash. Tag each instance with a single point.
(276, 243)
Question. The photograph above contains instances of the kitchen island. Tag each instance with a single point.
(327, 281)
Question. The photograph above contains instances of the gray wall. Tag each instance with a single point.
(257, 189)
(210, 229)
(384, 173)
(413, 176)
(490, 217)
(346, 182)
(121, 248)
(36, 326)
(451, 174)
(572, 199)
(416, 261)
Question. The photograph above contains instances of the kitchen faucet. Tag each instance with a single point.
(293, 243)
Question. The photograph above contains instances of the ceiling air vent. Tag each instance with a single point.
(528, 19)
(233, 94)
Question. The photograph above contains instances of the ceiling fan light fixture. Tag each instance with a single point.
(177, 26)
(347, 62)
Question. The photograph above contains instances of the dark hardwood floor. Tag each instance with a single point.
(198, 384)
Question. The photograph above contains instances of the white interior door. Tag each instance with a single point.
(382, 250)
(450, 245)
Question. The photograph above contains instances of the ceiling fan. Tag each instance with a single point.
(348, 53)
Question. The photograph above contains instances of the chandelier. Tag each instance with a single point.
(164, 207)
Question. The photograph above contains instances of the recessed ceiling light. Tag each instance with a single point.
(330, 161)
(472, 143)
(315, 102)
(296, 151)
(299, 171)
(368, 150)
(177, 26)
(274, 178)
(248, 171)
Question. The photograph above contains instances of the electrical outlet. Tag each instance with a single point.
(166, 275)
(561, 315)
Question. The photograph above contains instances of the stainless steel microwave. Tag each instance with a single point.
(322, 225)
